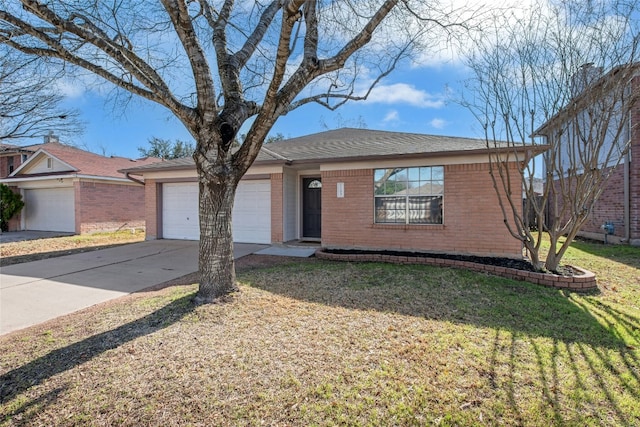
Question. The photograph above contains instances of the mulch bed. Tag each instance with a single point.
(496, 261)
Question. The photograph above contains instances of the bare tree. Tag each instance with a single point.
(534, 85)
(29, 103)
(217, 64)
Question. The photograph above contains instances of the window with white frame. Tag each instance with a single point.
(411, 195)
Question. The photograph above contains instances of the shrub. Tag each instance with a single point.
(10, 205)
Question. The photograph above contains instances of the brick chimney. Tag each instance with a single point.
(50, 137)
(587, 74)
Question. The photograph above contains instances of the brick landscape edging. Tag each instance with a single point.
(581, 283)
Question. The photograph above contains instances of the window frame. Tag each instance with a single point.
(411, 171)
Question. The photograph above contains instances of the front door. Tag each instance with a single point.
(311, 207)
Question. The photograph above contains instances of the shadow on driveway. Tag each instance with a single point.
(37, 291)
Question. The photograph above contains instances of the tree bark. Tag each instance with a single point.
(216, 261)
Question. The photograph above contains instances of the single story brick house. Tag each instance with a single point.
(351, 189)
(71, 190)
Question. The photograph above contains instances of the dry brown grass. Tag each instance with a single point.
(33, 250)
(307, 342)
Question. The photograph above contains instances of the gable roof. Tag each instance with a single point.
(79, 162)
(348, 144)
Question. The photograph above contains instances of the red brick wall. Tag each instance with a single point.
(108, 207)
(610, 205)
(4, 164)
(151, 189)
(276, 207)
(634, 172)
(473, 221)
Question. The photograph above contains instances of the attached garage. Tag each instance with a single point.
(50, 209)
(251, 211)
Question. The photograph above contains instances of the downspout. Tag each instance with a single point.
(627, 190)
(129, 177)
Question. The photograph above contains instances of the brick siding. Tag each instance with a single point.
(4, 164)
(277, 217)
(473, 221)
(151, 189)
(108, 207)
(610, 206)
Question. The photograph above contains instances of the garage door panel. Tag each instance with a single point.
(180, 211)
(252, 212)
(50, 209)
(251, 216)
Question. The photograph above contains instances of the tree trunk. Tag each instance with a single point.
(216, 262)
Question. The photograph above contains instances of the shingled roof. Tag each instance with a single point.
(346, 144)
(84, 162)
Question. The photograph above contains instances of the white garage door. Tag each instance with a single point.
(251, 212)
(50, 209)
(180, 211)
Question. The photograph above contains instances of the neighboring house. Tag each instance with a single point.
(350, 188)
(72, 190)
(619, 204)
(11, 157)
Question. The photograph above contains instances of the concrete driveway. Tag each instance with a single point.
(33, 292)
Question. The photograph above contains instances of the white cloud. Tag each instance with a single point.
(402, 93)
(68, 89)
(81, 83)
(438, 123)
(392, 116)
(479, 16)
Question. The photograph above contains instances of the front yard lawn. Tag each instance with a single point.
(321, 343)
(33, 250)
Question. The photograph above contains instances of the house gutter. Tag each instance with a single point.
(17, 179)
(276, 155)
(129, 177)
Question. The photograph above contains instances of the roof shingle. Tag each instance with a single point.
(87, 163)
(346, 144)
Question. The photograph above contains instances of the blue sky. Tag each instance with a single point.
(412, 99)
(416, 97)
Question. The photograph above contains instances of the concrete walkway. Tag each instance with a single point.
(33, 292)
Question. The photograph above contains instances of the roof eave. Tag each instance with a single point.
(142, 170)
(536, 149)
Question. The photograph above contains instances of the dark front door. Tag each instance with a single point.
(311, 207)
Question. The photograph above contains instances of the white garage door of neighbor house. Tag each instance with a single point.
(49, 209)
(251, 211)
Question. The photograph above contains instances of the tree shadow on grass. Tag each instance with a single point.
(63, 359)
(580, 336)
(441, 294)
(628, 255)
